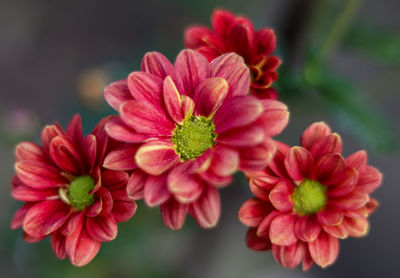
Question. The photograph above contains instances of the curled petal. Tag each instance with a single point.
(257, 157)
(118, 130)
(19, 216)
(289, 256)
(123, 210)
(174, 214)
(221, 21)
(266, 41)
(313, 133)
(74, 129)
(328, 144)
(274, 118)
(351, 201)
(298, 163)
(29, 151)
(38, 174)
(58, 245)
(194, 36)
(281, 231)
(307, 228)
(257, 243)
(102, 228)
(330, 169)
(48, 133)
(135, 185)
(117, 93)
(146, 87)
(356, 226)
(172, 100)
(207, 209)
(242, 37)
(157, 64)
(280, 197)
(225, 161)
(324, 250)
(209, 96)
(357, 160)
(253, 211)
(369, 180)
(346, 185)
(65, 154)
(263, 228)
(339, 231)
(330, 216)
(121, 159)
(156, 190)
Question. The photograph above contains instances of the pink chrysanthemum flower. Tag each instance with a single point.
(308, 198)
(189, 127)
(237, 34)
(68, 195)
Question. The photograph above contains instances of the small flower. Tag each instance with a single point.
(308, 198)
(67, 193)
(237, 34)
(188, 128)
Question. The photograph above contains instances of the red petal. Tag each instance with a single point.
(118, 130)
(236, 112)
(313, 133)
(156, 157)
(172, 100)
(346, 185)
(357, 227)
(102, 228)
(257, 157)
(222, 21)
(330, 216)
(207, 209)
(281, 231)
(298, 163)
(289, 256)
(180, 179)
(257, 243)
(187, 106)
(266, 41)
(174, 214)
(369, 180)
(242, 137)
(371, 205)
(29, 151)
(114, 180)
(135, 186)
(45, 218)
(157, 64)
(145, 118)
(123, 211)
(357, 160)
(328, 144)
(242, 38)
(80, 247)
(90, 149)
(209, 96)
(19, 216)
(67, 157)
(253, 211)
(263, 228)
(48, 133)
(338, 231)
(351, 201)
(192, 68)
(280, 197)
(58, 245)
(38, 174)
(156, 190)
(330, 169)
(29, 194)
(307, 228)
(146, 87)
(225, 161)
(74, 130)
(194, 35)
(117, 93)
(324, 250)
(121, 159)
(274, 118)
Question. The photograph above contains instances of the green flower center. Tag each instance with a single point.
(309, 197)
(193, 137)
(78, 192)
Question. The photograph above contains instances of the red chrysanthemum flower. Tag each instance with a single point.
(237, 34)
(68, 195)
(189, 126)
(309, 197)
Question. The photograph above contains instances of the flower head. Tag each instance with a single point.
(308, 198)
(67, 193)
(188, 128)
(237, 34)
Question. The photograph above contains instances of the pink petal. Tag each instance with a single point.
(351, 201)
(242, 38)
(236, 112)
(194, 35)
(266, 41)
(74, 130)
(346, 185)
(274, 118)
(242, 136)
(307, 261)
(135, 185)
(156, 157)
(209, 96)
(253, 211)
(192, 68)
(280, 197)
(216, 180)
(180, 179)
(257, 243)
(157, 64)
(144, 118)
(29, 194)
(225, 161)
(107, 201)
(187, 107)
(123, 211)
(102, 228)
(289, 256)
(257, 157)
(117, 93)
(221, 21)
(324, 250)
(207, 209)
(328, 144)
(172, 100)
(101, 138)
(48, 133)
(264, 227)
(118, 130)
(80, 247)
(156, 190)
(330, 169)
(313, 133)
(338, 231)
(146, 87)
(369, 180)
(236, 74)
(122, 158)
(281, 231)
(29, 151)
(357, 160)
(67, 157)
(298, 163)
(90, 150)
(38, 174)
(330, 216)
(19, 216)
(114, 179)
(260, 190)
(371, 205)
(174, 214)
(45, 218)
(357, 227)
(307, 228)
(58, 245)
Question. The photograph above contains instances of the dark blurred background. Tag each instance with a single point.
(341, 64)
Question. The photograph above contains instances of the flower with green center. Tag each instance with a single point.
(193, 137)
(309, 197)
(78, 192)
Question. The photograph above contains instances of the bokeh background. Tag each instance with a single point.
(341, 65)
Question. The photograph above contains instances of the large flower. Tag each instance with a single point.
(189, 127)
(68, 195)
(308, 198)
(237, 34)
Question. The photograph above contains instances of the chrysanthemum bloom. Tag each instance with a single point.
(308, 198)
(237, 34)
(189, 127)
(68, 195)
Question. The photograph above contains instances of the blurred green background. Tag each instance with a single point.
(341, 64)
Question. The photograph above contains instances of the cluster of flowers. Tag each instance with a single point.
(182, 131)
